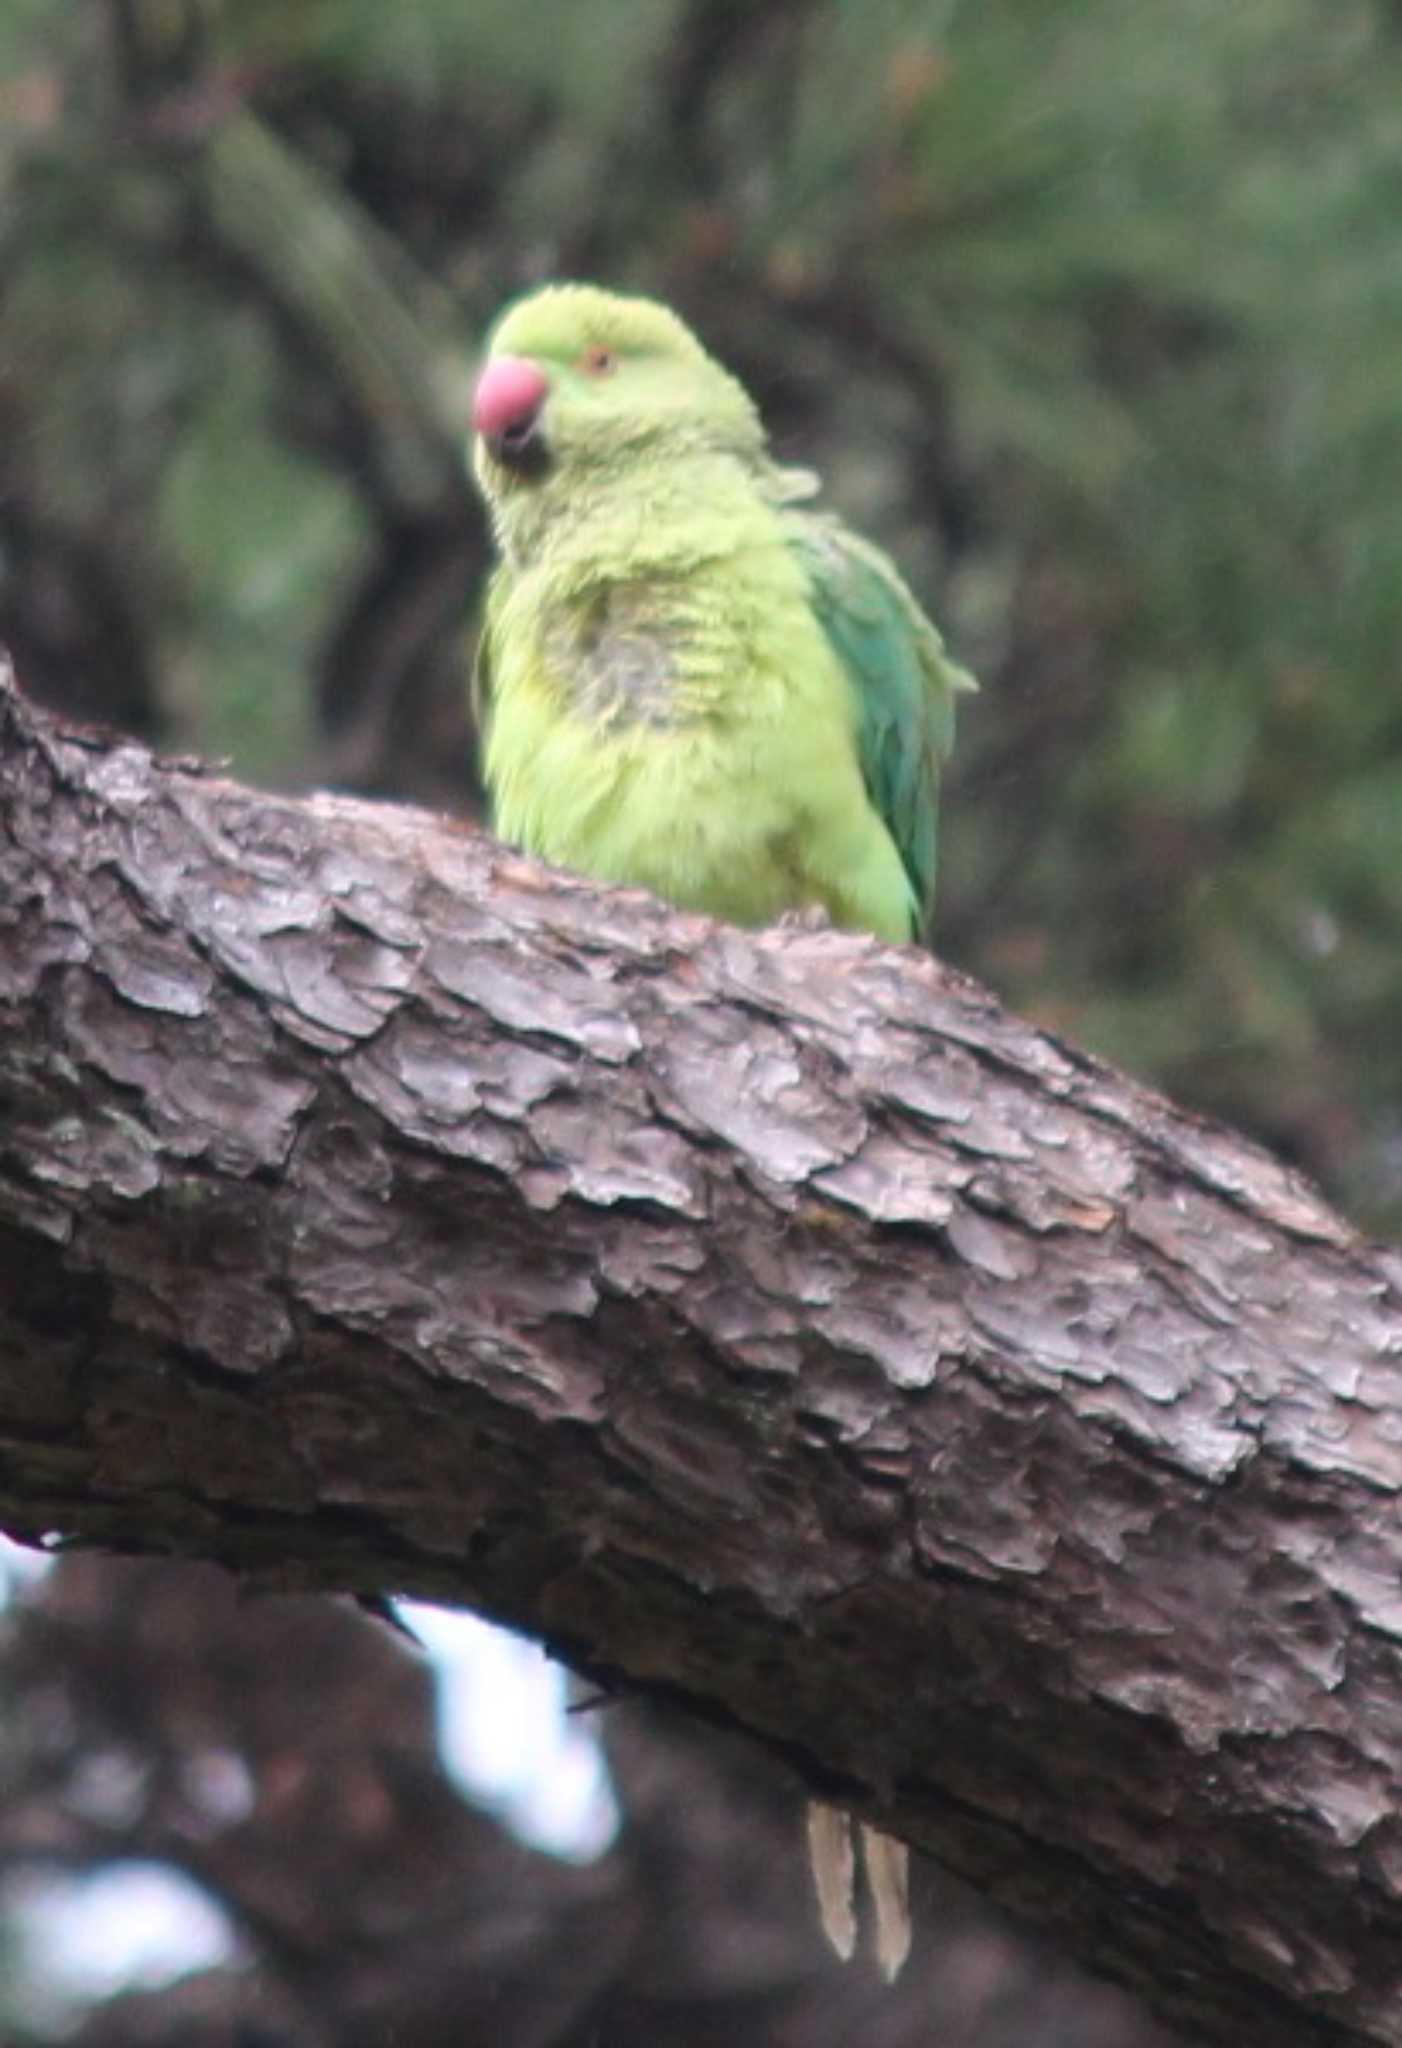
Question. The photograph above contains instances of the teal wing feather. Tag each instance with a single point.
(904, 682)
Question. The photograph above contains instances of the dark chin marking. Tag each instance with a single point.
(524, 451)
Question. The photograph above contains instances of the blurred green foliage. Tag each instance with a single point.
(1093, 313)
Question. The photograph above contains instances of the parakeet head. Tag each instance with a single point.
(577, 379)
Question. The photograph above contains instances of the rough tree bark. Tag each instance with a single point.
(765, 1320)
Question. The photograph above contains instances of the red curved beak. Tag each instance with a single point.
(510, 393)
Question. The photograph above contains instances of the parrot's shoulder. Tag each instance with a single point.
(904, 681)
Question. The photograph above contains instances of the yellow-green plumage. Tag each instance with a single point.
(688, 680)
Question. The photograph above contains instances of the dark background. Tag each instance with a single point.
(1092, 314)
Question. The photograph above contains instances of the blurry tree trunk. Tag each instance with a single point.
(282, 1752)
(767, 1321)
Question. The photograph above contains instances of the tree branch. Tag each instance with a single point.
(763, 1319)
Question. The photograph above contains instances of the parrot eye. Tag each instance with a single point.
(599, 361)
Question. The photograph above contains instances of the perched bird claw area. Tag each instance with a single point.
(933, 1386)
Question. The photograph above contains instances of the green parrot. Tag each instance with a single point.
(691, 681)
(688, 679)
